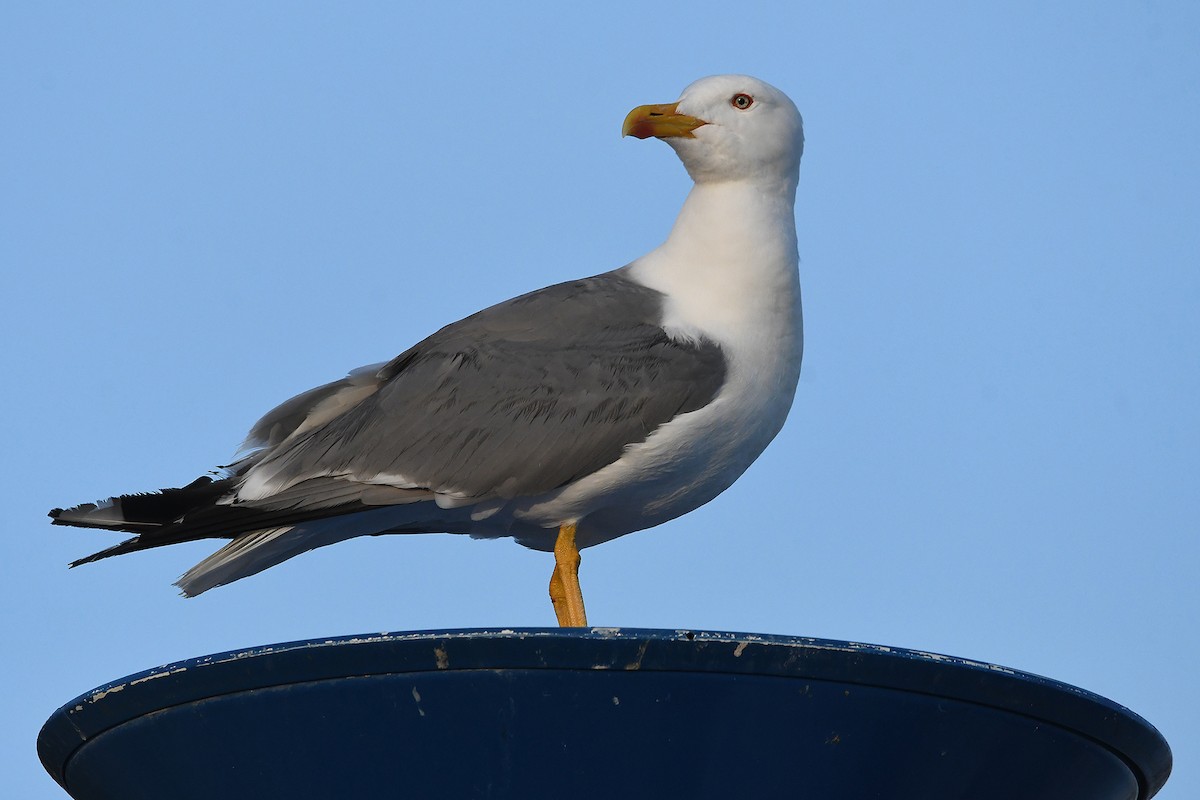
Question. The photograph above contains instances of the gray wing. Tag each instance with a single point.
(519, 399)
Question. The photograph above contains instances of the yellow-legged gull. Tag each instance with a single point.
(562, 418)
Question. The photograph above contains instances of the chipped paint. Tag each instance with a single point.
(156, 675)
(616, 700)
(737, 651)
(443, 660)
(98, 696)
(641, 653)
(417, 697)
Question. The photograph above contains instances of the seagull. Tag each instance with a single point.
(562, 418)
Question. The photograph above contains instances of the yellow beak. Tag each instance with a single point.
(662, 121)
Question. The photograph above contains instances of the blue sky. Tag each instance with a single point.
(994, 448)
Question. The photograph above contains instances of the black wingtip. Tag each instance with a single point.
(127, 546)
(75, 516)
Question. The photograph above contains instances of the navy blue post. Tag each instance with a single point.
(596, 714)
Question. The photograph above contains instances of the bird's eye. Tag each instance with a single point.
(741, 101)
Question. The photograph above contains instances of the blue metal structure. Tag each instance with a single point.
(553, 713)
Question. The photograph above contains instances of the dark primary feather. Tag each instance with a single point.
(519, 399)
(144, 513)
(159, 519)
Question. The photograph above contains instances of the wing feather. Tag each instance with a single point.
(519, 399)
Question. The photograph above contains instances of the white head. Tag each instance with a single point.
(728, 127)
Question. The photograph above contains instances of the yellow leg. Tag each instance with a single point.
(565, 593)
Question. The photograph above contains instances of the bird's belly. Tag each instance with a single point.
(681, 466)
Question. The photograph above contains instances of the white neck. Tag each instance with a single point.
(729, 267)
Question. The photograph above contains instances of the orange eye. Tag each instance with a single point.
(741, 101)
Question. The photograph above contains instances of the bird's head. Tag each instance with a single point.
(727, 127)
